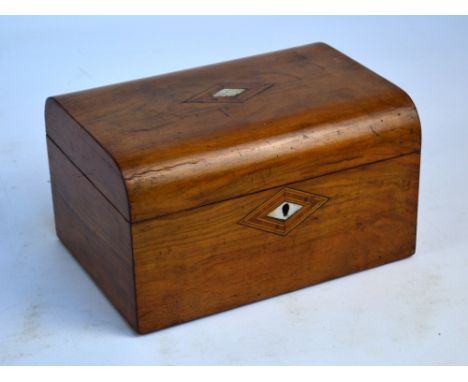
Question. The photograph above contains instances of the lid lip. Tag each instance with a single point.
(286, 185)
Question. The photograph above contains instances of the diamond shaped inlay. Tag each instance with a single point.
(229, 92)
(284, 211)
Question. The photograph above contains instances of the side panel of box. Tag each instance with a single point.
(94, 232)
(86, 154)
(202, 261)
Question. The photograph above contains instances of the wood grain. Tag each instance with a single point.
(322, 113)
(94, 232)
(199, 262)
(151, 179)
(88, 155)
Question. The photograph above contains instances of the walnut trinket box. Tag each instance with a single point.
(195, 192)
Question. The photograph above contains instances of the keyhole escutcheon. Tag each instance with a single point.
(285, 209)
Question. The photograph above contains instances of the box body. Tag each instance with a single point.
(195, 192)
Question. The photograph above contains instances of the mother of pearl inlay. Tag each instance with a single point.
(285, 210)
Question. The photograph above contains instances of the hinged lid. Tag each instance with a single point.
(182, 140)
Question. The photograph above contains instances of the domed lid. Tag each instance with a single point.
(178, 141)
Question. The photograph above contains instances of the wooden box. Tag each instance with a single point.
(194, 192)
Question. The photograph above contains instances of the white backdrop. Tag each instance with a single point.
(411, 312)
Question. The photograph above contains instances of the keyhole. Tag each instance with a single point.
(285, 209)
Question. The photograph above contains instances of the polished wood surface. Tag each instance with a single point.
(94, 232)
(161, 188)
(88, 155)
(199, 262)
(322, 112)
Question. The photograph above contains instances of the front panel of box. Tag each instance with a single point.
(219, 256)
